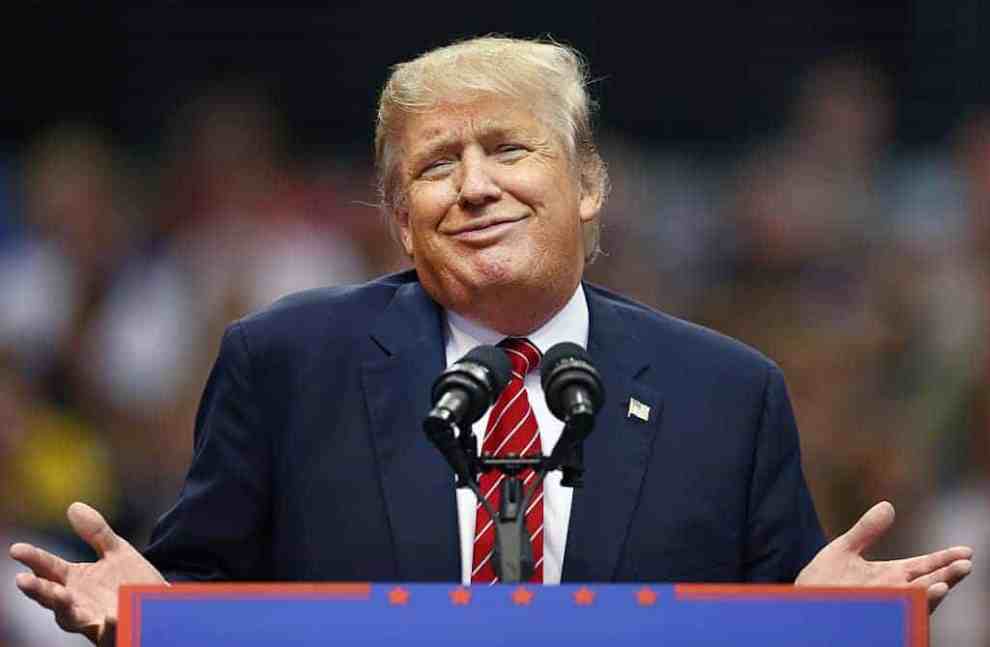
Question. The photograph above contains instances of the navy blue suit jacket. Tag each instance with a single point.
(310, 462)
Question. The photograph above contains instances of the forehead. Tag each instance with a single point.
(451, 123)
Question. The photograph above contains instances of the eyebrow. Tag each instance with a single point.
(434, 144)
(439, 140)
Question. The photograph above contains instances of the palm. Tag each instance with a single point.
(84, 595)
(94, 588)
(841, 563)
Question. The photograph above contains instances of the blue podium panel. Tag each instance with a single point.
(300, 615)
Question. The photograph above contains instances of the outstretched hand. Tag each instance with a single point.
(84, 595)
(841, 563)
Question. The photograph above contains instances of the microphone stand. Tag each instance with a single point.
(512, 558)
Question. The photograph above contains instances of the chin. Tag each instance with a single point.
(494, 267)
(492, 275)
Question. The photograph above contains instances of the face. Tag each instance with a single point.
(493, 207)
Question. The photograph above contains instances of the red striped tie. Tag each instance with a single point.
(511, 429)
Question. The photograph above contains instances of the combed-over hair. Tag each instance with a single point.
(553, 78)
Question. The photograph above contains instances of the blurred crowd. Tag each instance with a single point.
(860, 268)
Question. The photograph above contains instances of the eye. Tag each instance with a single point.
(511, 152)
(436, 168)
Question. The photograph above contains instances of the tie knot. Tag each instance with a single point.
(523, 355)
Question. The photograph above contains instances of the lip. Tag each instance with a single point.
(485, 231)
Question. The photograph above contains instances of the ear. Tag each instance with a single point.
(589, 206)
(401, 216)
(590, 202)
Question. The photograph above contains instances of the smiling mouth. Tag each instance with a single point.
(486, 232)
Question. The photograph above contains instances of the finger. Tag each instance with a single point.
(92, 528)
(870, 527)
(936, 593)
(48, 594)
(949, 575)
(43, 563)
(925, 564)
(58, 599)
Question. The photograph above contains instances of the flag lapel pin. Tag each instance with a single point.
(638, 410)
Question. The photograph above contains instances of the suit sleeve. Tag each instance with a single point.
(220, 527)
(783, 531)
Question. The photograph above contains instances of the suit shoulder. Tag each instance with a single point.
(338, 311)
(678, 339)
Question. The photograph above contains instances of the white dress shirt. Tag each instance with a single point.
(570, 324)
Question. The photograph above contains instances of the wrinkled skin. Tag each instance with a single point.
(83, 595)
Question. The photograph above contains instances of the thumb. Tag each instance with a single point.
(870, 527)
(92, 528)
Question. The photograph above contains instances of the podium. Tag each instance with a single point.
(248, 615)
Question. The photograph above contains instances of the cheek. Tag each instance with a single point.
(545, 185)
(429, 204)
(531, 188)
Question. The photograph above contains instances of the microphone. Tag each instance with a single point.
(460, 396)
(574, 393)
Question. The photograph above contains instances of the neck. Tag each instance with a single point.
(512, 311)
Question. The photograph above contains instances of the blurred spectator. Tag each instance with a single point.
(658, 227)
(811, 195)
(77, 233)
(236, 226)
(231, 199)
(809, 282)
(961, 510)
(53, 278)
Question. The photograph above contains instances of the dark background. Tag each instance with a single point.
(697, 74)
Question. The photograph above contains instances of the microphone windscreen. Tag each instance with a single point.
(497, 363)
(557, 353)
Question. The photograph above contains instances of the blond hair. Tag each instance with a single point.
(553, 78)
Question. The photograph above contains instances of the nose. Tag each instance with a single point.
(478, 187)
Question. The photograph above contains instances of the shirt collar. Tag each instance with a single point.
(569, 324)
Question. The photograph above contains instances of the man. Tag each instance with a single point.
(310, 462)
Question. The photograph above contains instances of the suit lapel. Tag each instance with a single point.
(616, 454)
(416, 482)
